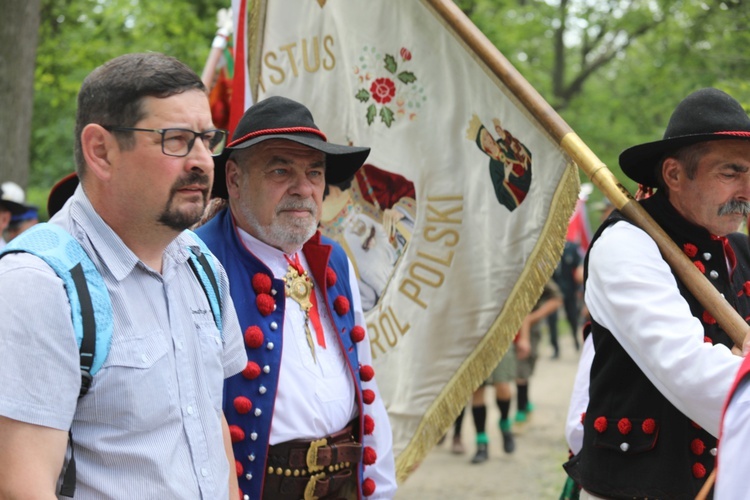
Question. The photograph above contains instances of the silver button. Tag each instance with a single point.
(624, 446)
(204, 472)
(713, 452)
(258, 412)
(273, 291)
(269, 346)
(246, 497)
(254, 436)
(274, 307)
(251, 457)
(714, 274)
(707, 256)
(266, 369)
(190, 410)
(262, 389)
(274, 325)
(248, 476)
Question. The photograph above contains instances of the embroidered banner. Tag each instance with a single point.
(459, 216)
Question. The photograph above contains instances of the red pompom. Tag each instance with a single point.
(690, 250)
(236, 433)
(624, 426)
(746, 287)
(368, 487)
(707, 339)
(242, 405)
(368, 396)
(697, 446)
(238, 466)
(708, 319)
(699, 471)
(369, 425)
(648, 426)
(261, 283)
(700, 266)
(253, 337)
(265, 304)
(251, 371)
(366, 373)
(583, 417)
(600, 424)
(341, 304)
(369, 456)
(331, 277)
(358, 334)
(695, 426)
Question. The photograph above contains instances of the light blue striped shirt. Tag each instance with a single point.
(150, 426)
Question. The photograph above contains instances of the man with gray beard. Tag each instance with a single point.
(663, 366)
(305, 416)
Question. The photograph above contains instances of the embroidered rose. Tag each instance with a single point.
(405, 54)
(383, 90)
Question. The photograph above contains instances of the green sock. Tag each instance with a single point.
(505, 424)
(482, 438)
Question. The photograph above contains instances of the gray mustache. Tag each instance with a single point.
(735, 207)
(298, 205)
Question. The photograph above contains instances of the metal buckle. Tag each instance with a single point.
(310, 488)
(312, 456)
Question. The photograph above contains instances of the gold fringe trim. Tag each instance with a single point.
(256, 27)
(478, 366)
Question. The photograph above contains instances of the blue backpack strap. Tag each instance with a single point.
(203, 265)
(90, 305)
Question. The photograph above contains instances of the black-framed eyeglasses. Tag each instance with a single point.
(179, 141)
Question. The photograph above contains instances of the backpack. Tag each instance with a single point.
(90, 304)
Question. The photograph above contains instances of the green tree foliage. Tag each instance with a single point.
(76, 36)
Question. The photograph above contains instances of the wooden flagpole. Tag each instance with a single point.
(729, 320)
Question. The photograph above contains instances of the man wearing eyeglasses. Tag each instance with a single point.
(151, 424)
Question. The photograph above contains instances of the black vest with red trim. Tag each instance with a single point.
(636, 444)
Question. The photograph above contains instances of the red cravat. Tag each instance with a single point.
(313, 313)
(728, 252)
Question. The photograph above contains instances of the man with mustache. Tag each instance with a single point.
(151, 423)
(663, 366)
(305, 416)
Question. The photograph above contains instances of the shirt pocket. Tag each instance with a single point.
(212, 354)
(134, 390)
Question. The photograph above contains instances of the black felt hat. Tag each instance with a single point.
(282, 118)
(705, 115)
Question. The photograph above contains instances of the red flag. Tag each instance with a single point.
(241, 97)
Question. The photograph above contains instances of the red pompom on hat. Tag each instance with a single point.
(261, 283)
(331, 277)
(699, 471)
(648, 426)
(251, 371)
(708, 319)
(366, 373)
(600, 424)
(368, 487)
(236, 434)
(624, 426)
(239, 468)
(358, 334)
(368, 396)
(242, 405)
(369, 455)
(369, 425)
(690, 250)
(253, 337)
(341, 305)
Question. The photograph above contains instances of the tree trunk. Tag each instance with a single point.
(19, 29)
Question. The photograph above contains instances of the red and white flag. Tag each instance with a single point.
(241, 96)
(458, 217)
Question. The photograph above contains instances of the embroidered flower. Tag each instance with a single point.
(331, 277)
(368, 487)
(700, 266)
(708, 319)
(265, 304)
(369, 456)
(648, 426)
(251, 371)
(358, 334)
(253, 337)
(383, 90)
(405, 54)
(624, 426)
(242, 405)
(368, 396)
(699, 471)
(690, 250)
(341, 305)
(600, 424)
(369, 425)
(261, 283)
(697, 446)
(366, 373)
(236, 434)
